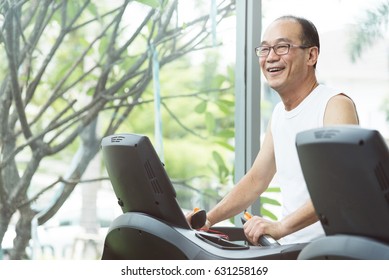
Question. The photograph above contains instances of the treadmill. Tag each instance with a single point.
(346, 169)
(153, 225)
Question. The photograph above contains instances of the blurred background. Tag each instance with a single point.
(76, 71)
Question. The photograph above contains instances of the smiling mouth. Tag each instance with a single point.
(274, 69)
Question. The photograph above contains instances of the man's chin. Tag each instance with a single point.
(275, 86)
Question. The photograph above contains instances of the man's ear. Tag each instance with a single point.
(313, 55)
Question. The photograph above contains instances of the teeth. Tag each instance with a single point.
(274, 69)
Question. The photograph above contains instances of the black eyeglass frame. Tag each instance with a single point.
(276, 47)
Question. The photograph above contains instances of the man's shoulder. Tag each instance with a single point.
(341, 100)
(341, 110)
(328, 90)
(326, 93)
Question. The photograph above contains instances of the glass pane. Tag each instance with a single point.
(196, 109)
(189, 61)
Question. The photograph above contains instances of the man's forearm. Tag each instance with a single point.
(235, 202)
(301, 218)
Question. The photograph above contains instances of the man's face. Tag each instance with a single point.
(284, 72)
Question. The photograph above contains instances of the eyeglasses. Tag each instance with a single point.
(279, 49)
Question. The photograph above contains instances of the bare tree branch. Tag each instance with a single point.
(36, 196)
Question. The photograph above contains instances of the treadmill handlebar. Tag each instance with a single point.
(264, 240)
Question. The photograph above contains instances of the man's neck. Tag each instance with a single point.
(292, 98)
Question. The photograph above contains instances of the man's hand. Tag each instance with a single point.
(201, 221)
(258, 226)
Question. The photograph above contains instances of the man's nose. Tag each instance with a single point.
(272, 56)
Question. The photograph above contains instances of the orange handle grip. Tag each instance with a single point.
(247, 215)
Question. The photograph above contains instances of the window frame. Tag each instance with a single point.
(247, 89)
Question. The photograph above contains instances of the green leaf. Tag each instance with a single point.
(227, 103)
(225, 145)
(266, 200)
(103, 45)
(273, 189)
(226, 106)
(217, 157)
(226, 133)
(90, 91)
(92, 8)
(152, 3)
(218, 80)
(225, 109)
(222, 168)
(268, 214)
(201, 107)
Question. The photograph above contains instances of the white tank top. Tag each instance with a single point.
(284, 126)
